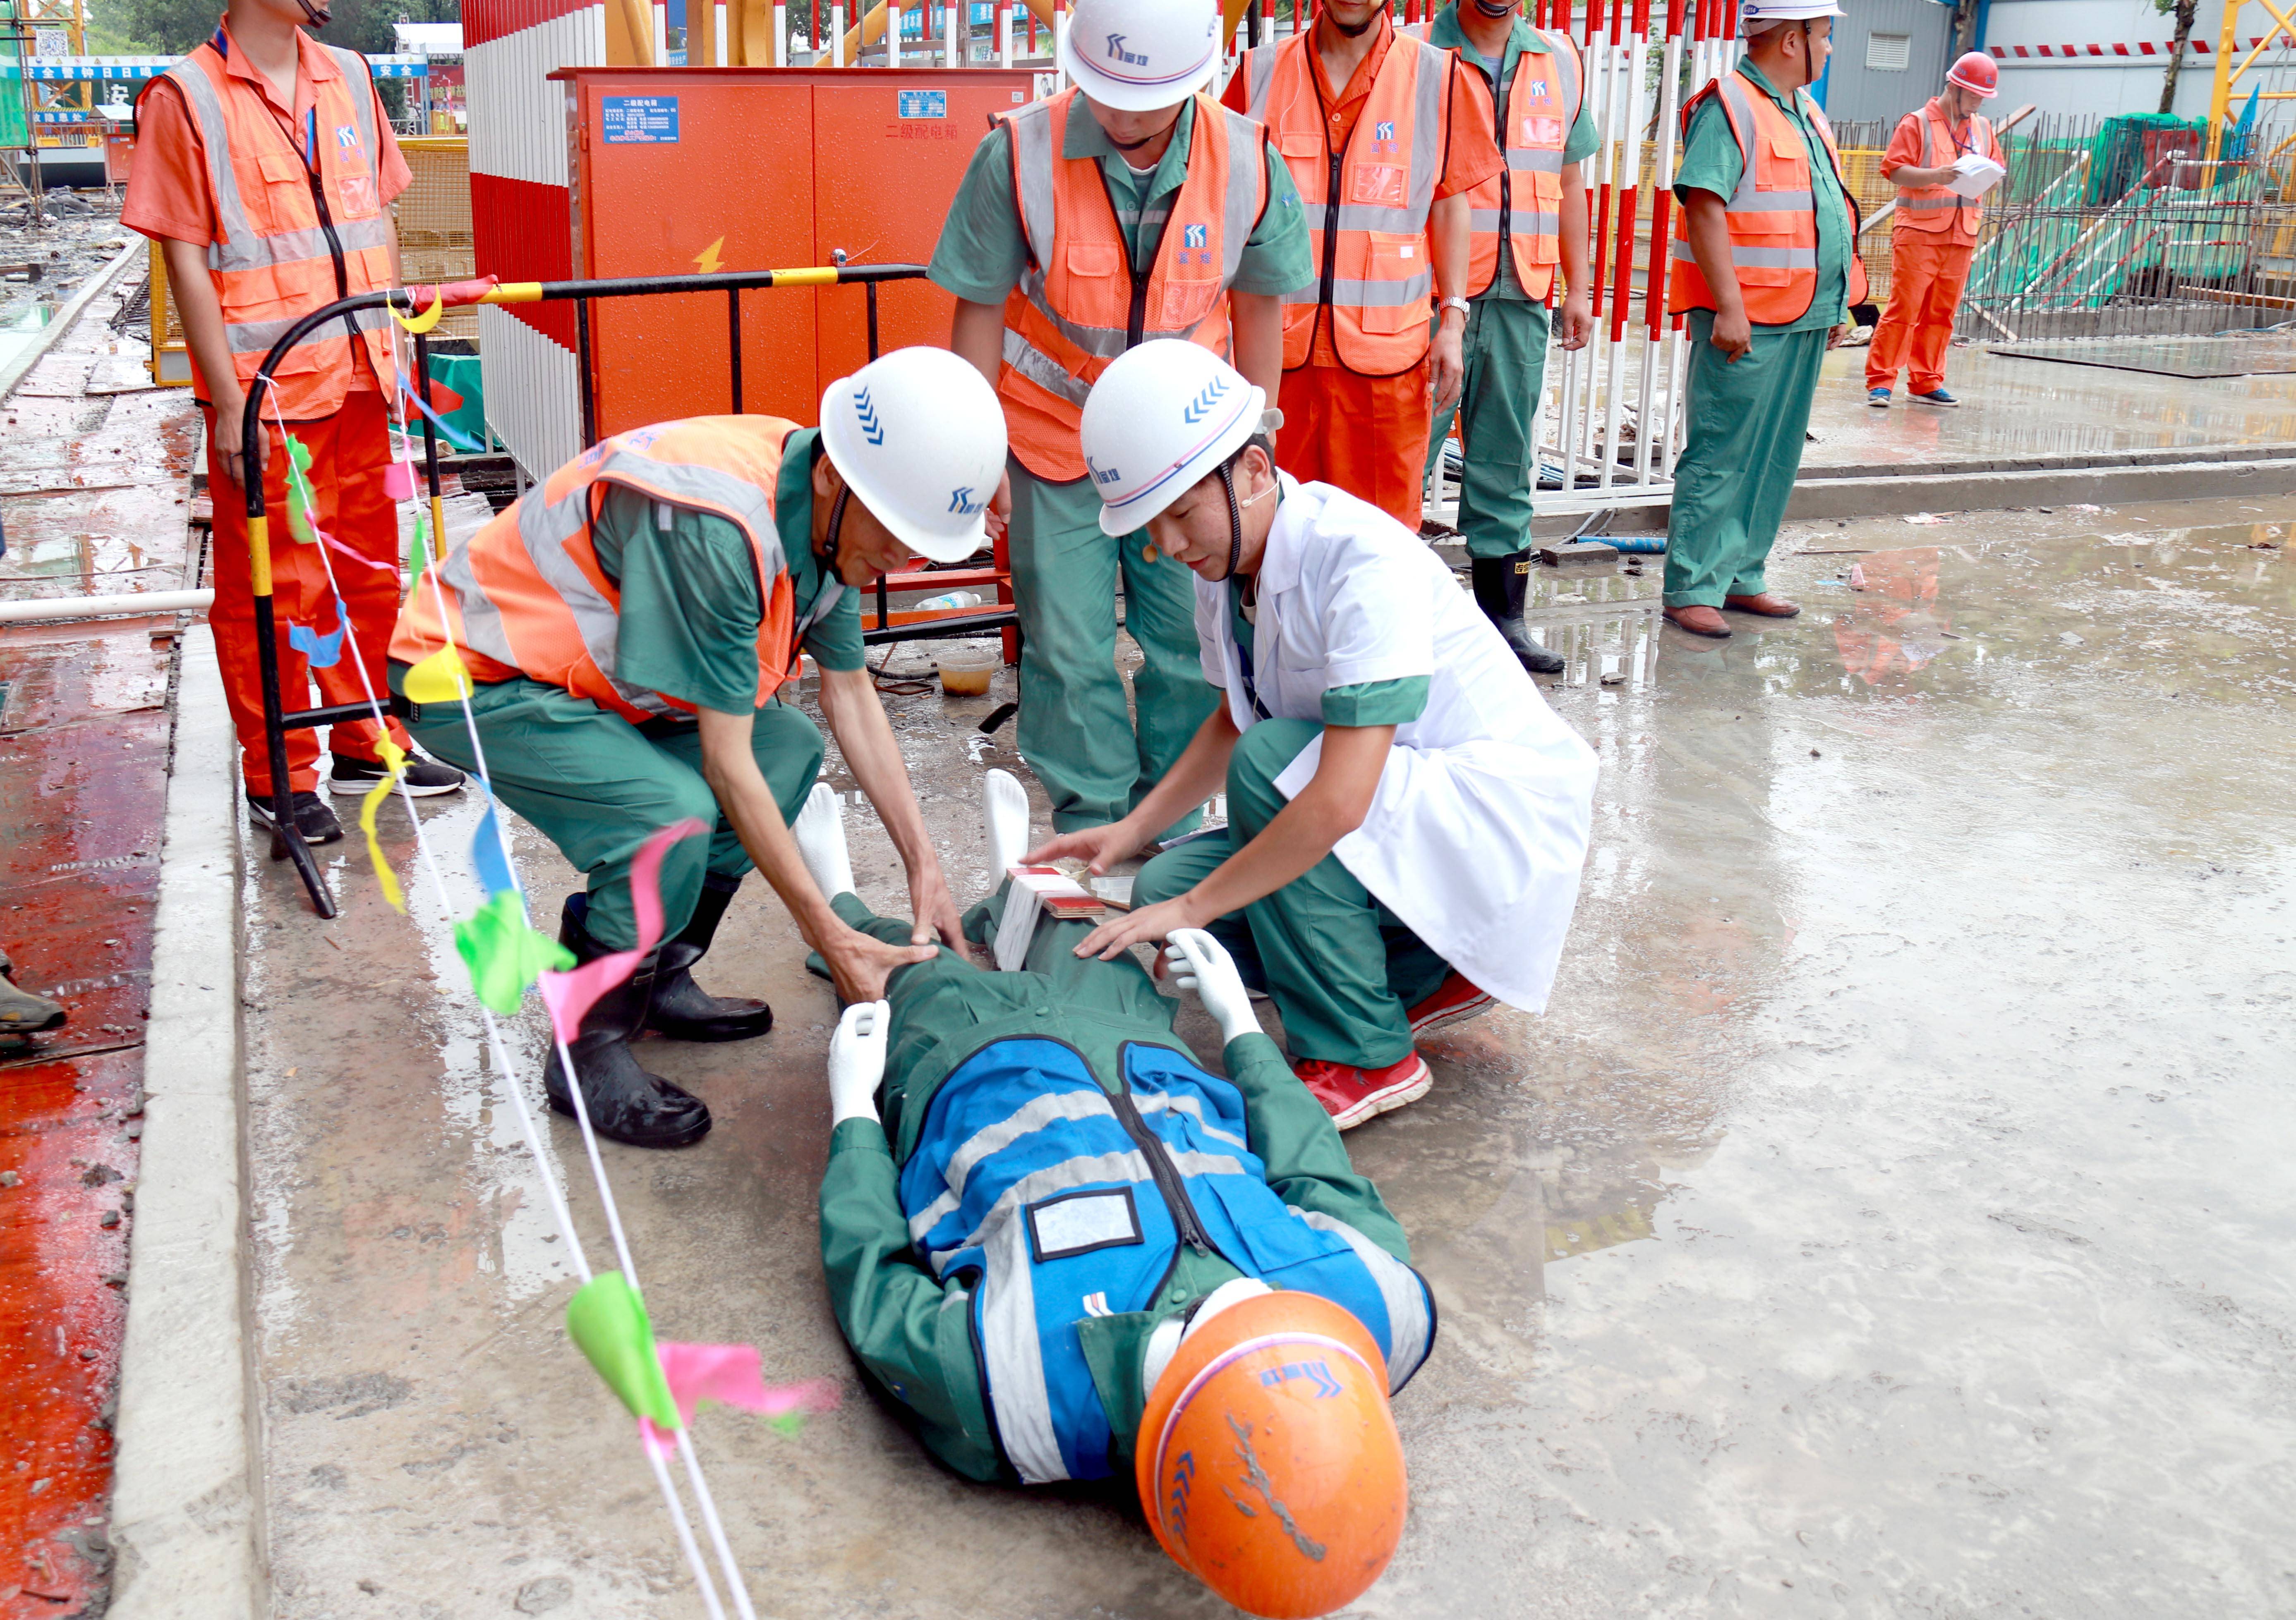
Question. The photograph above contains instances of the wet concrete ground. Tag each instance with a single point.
(1889, 1216)
(93, 466)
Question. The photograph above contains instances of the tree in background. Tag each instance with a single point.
(2184, 11)
(172, 26)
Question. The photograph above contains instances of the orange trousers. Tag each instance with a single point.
(1927, 271)
(1366, 435)
(348, 453)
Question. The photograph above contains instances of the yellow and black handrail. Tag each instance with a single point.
(410, 301)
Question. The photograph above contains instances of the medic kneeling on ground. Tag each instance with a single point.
(1068, 1251)
(627, 626)
(1407, 818)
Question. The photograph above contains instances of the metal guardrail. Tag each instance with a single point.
(278, 720)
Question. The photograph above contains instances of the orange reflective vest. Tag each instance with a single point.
(525, 595)
(1935, 207)
(1773, 214)
(1367, 206)
(299, 228)
(1080, 301)
(1521, 205)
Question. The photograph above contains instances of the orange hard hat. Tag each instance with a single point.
(1975, 72)
(1269, 1463)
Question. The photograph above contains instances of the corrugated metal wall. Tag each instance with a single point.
(1856, 93)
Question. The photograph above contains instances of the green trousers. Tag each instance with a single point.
(1076, 731)
(1505, 349)
(1341, 966)
(599, 787)
(1747, 420)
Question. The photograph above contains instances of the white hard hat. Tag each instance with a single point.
(1753, 14)
(1162, 417)
(919, 437)
(1140, 56)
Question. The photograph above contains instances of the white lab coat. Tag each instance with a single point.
(1479, 830)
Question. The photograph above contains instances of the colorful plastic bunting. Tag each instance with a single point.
(394, 762)
(504, 954)
(441, 678)
(733, 1375)
(607, 1320)
(459, 441)
(570, 995)
(320, 652)
(489, 852)
(302, 519)
(427, 319)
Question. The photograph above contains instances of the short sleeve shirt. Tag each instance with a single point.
(982, 252)
(1712, 162)
(691, 607)
(167, 187)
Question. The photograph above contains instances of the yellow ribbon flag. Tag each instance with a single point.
(394, 760)
(439, 678)
(427, 319)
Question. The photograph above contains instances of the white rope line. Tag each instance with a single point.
(559, 1208)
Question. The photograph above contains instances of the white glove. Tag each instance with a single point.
(856, 1061)
(1204, 965)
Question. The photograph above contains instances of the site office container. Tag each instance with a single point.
(675, 170)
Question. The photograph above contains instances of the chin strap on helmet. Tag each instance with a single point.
(1234, 522)
(320, 15)
(836, 533)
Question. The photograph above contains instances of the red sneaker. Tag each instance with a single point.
(1454, 1001)
(1351, 1095)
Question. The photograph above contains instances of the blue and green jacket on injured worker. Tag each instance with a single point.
(1053, 1179)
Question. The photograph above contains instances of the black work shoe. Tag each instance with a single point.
(424, 778)
(623, 1100)
(313, 817)
(23, 1014)
(1500, 585)
(684, 1010)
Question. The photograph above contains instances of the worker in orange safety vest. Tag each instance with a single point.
(1766, 265)
(1126, 208)
(1384, 163)
(1934, 235)
(264, 169)
(617, 641)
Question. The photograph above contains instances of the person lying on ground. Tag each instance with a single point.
(1064, 1249)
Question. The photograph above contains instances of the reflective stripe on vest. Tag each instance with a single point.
(1524, 204)
(279, 252)
(1026, 1175)
(1080, 301)
(1771, 216)
(526, 596)
(1935, 207)
(1366, 206)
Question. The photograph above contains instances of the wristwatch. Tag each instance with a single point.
(1458, 304)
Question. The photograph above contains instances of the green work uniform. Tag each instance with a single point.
(1748, 420)
(1342, 968)
(1074, 729)
(912, 1332)
(687, 627)
(1505, 346)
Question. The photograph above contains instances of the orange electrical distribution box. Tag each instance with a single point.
(678, 170)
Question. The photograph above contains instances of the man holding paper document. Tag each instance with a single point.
(1942, 160)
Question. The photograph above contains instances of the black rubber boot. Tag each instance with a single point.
(1500, 583)
(624, 1101)
(22, 1013)
(683, 1010)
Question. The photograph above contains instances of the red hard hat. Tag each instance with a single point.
(1976, 74)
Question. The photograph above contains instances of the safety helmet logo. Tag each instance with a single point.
(961, 503)
(871, 429)
(1103, 475)
(1116, 52)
